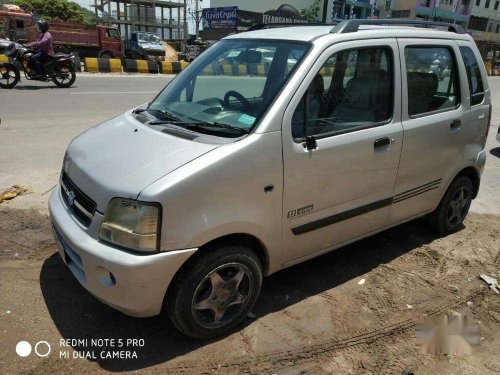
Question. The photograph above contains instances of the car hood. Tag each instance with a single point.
(121, 157)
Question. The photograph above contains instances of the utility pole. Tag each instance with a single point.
(325, 10)
(196, 19)
(185, 24)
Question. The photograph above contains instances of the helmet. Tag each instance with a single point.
(42, 26)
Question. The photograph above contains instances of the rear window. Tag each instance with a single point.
(476, 87)
(432, 79)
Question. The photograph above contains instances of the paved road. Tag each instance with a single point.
(39, 120)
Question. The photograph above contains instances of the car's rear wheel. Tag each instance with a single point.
(215, 293)
(454, 207)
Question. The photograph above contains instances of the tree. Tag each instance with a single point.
(63, 10)
(311, 13)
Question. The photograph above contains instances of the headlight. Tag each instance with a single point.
(132, 224)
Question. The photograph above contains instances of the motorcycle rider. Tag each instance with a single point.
(44, 46)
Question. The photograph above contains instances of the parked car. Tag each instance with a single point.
(186, 202)
(144, 45)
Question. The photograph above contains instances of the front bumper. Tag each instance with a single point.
(131, 283)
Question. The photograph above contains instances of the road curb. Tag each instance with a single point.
(95, 65)
(140, 66)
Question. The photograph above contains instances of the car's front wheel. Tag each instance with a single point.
(215, 293)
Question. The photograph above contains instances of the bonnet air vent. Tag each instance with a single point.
(180, 134)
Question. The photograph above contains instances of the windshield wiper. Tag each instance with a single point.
(197, 125)
(164, 114)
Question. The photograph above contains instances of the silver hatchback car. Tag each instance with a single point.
(239, 169)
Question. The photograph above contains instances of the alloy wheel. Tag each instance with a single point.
(222, 295)
(458, 207)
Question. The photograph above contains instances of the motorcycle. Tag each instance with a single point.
(60, 69)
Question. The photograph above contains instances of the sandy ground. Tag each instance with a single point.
(312, 318)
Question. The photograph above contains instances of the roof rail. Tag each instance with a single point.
(261, 26)
(351, 26)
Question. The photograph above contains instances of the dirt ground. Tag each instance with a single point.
(313, 318)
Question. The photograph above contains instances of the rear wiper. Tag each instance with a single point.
(196, 125)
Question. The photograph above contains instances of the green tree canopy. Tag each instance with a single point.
(311, 13)
(63, 10)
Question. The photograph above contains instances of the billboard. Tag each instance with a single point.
(219, 18)
(237, 18)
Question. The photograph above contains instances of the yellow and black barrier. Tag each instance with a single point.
(4, 59)
(172, 67)
(94, 65)
(140, 66)
(244, 70)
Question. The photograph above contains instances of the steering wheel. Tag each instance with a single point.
(237, 95)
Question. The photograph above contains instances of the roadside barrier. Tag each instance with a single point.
(172, 67)
(487, 65)
(94, 65)
(4, 59)
(328, 71)
(140, 66)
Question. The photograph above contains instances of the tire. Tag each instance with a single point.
(9, 76)
(68, 70)
(453, 208)
(105, 55)
(194, 304)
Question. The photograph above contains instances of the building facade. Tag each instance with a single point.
(484, 25)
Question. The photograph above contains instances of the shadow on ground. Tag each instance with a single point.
(495, 152)
(78, 315)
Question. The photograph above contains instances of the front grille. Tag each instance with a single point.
(80, 204)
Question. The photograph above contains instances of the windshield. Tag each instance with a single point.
(231, 85)
(148, 38)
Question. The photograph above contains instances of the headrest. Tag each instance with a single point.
(422, 85)
(317, 85)
(361, 91)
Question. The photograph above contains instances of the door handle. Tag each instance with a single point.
(455, 124)
(382, 142)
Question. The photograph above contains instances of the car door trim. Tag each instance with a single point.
(418, 190)
(329, 220)
(320, 223)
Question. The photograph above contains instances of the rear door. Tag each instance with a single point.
(433, 113)
(478, 98)
(349, 111)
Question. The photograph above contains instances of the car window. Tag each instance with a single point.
(432, 79)
(353, 90)
(473, 76)
(113, 34)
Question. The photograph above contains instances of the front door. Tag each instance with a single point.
(342, 139)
